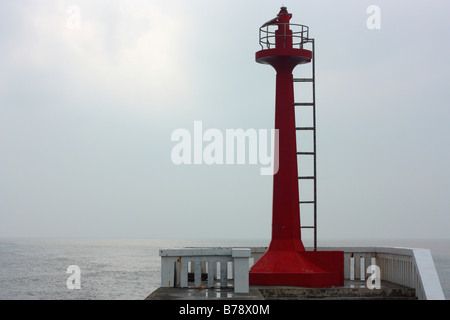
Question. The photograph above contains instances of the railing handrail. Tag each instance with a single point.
(300, 35)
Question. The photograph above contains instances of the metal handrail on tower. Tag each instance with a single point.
(267, 35)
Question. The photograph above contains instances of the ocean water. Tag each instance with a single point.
(122, 269)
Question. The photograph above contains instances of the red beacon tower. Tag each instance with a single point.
(286, 262)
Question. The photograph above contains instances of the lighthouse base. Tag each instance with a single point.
(311, 269)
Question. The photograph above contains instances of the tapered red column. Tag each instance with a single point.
(286, 215)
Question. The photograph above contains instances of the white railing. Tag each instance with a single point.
(215, 265)
(413, 268)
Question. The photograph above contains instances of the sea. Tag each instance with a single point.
(129, 269)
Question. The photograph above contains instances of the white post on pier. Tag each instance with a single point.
(241, 268)
(352, 267)
(362, 268)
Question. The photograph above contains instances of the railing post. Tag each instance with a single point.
(212, 266)
(177, 272)
(198, 272)
(352, 268)
(241, 264)
(362, 268)
(183, 273)
(167, 271)
(223, 273)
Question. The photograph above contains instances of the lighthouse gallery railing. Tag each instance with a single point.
(300, 35)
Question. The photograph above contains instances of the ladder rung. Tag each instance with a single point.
(306, 202)
(304, 128)
(306, 153)
(303, 79)
(306, 177)
(303, 104)
(308, 227)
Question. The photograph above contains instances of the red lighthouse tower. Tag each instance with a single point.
(287, 262)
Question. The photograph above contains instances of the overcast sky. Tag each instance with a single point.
(87, 112)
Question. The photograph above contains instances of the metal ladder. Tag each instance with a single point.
(313, 152)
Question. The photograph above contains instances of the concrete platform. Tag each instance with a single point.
(352, 290)
(203, 294)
